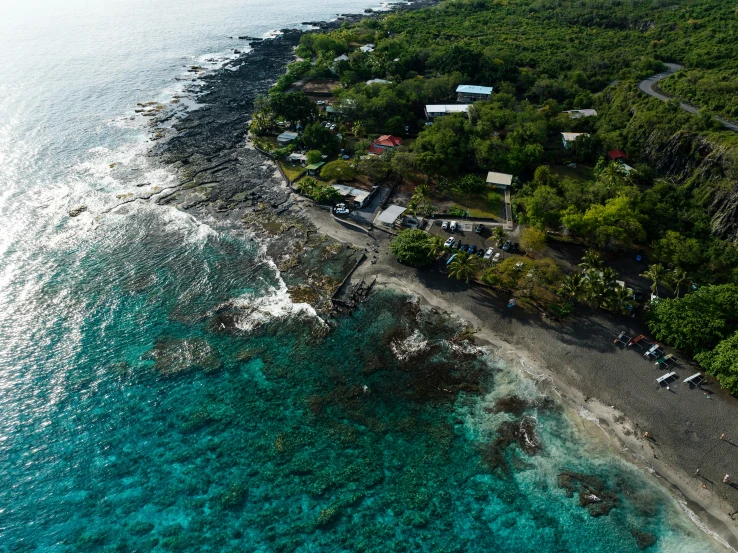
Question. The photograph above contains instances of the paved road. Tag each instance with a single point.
(646, 86)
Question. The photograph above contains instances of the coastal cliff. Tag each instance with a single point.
(711, 168)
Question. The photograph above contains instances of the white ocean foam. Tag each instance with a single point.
(701, 525)
(411, 346)
(274, 304)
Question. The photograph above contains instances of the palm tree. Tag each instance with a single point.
(359, 129)
(597, 291)
(656, 273)
(463, 267)
(621, 299)
(435, 246)
(677, 278)
(572, 286)
(591, 261)
(499, 234)
(306, 185)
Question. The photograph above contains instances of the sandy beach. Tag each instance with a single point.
(608, 388)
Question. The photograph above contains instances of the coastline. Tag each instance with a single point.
(221, 179)
(708, 510)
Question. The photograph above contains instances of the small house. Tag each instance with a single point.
(439, 110)
(286, 137)
(367, 48)
(568, 137)
(314, 168)
(378, 81)
(384, 142)
(617, 155)
(500, 180)
(389, 216)
(295, 158)
(468, 93)
(342, 57)
(579, 113)
(356, 196)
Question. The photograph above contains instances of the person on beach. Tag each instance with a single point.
(645, 435)
(697, 472)
(722, 436)
(726, 479)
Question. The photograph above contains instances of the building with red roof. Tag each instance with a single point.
(386, 141)
(616, 155)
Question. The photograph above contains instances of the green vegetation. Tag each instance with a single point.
(673, 198)
(317, 190)
(463, 267)
(413, 247)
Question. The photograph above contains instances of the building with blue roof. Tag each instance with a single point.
(468, 93)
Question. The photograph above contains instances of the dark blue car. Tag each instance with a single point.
(472, 248)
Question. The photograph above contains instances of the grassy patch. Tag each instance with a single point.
(487, 204)
(580, 173)
(292, 171)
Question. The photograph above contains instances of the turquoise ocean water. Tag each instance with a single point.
(131, 419)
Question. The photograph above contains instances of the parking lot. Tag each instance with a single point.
(466, 235)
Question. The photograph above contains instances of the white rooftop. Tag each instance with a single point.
(473, 89)
(572, 136)
(367, 48)
(342, 57)
(287, 135)
(499, 178)
(390, 215)
(447, 108)
(378, 81)
(577, 113)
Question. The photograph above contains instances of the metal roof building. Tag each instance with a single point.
(391, 214)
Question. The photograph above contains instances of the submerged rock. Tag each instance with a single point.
(644, 540)
(522, 433)
(179, 356)
(591, 490)
(77, 210)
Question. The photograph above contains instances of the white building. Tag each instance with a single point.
(358, 196)
(389, 216)
(342, 57)
(439, 110)
(367, 48)
(500, 180)
(568, 137)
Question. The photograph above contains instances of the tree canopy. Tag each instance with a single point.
(412, 247)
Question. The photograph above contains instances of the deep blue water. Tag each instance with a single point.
(132, 419)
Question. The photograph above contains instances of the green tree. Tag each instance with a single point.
(314, 156)
(615, 224)
(676, 278)
(542, 207)
(592, 261)
(463, 267)
(412, 247)
(293, 106)
(679, 251)
(317, 137)
(306, 185)
(533, 240)
(572, 286)
(499, 234)
(338, 170)
(656, 274)
(698, 321)
(722, 362)
(471, 184)
(435, 246)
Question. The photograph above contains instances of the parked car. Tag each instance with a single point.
(479, 229)
(342, 211)
(444, 225)
(320, 102)
(516, 248)
(496, 258)
(506, 246)
(464, 247)
(637, 294)
(453, 226)
(472, 248)
(480, 252)
(489, 252)
(450, 242)
(456, 245)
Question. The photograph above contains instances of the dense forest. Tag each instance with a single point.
(677, 197)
